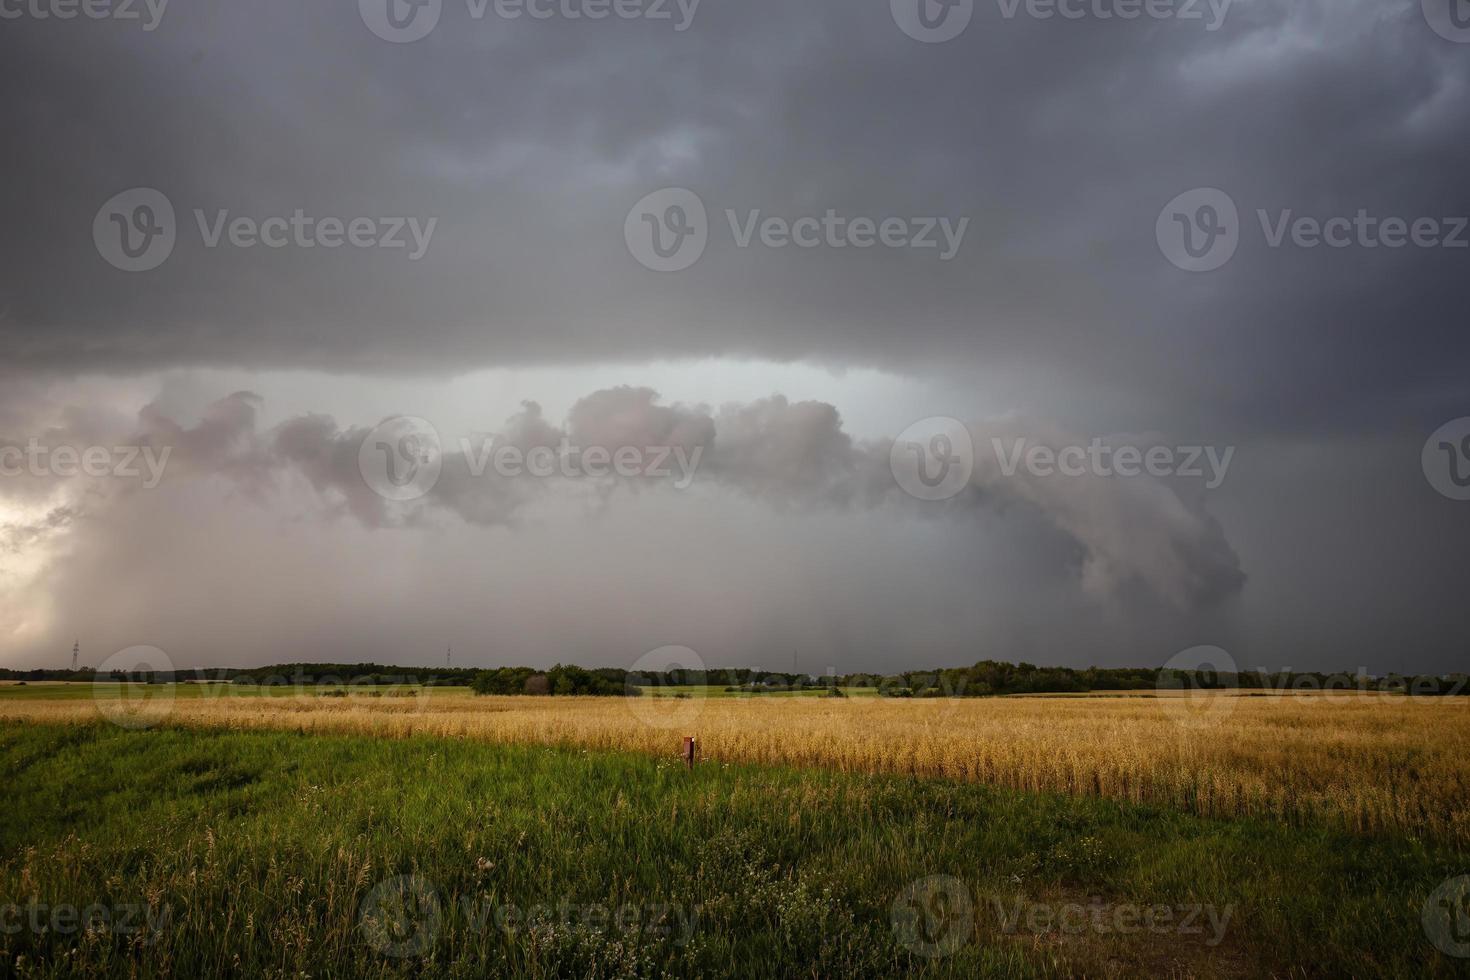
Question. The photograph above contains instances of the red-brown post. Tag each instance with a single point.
(690, 746)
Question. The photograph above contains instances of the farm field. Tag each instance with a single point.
(1361, 763)
(270, 853)
(87, 691)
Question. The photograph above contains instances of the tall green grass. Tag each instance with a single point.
(264, 847)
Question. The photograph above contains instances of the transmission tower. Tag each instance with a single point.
(76, 651)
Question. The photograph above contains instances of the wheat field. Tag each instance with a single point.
(1366, 763)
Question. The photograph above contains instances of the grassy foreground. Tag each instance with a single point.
(283, 854)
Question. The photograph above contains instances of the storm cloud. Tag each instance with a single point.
(390, 214)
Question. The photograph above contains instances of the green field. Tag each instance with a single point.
(723, 691)
(267, 855)
(86, 691)
(57, 690)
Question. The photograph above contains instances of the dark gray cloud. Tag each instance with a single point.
(527, 142)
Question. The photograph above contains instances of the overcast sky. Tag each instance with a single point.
(248, 234)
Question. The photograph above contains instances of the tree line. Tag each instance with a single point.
(987, 678)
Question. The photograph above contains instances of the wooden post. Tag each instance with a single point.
(690, 747)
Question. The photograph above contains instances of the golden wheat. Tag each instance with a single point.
(1368, 763)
